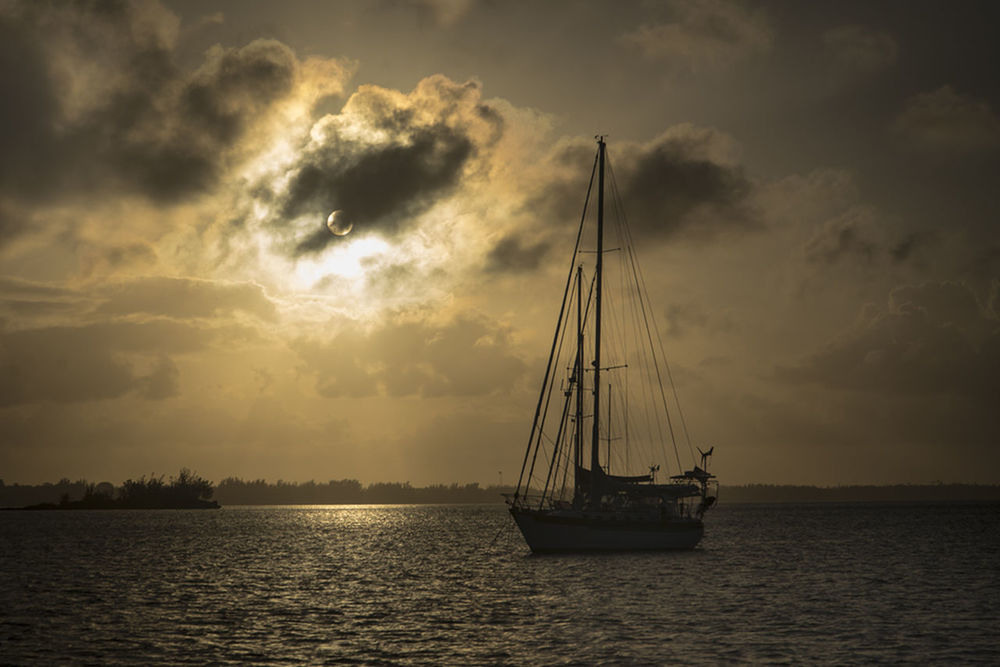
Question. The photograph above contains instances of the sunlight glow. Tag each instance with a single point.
(345, 260)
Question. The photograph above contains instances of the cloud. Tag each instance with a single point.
(185, 298)
(66, 344)
(685, 181)
(463, 357)
(684, 317)
(931, 339)
(384, 159)
(125, 117)
(445, 12)
(512, 254)
(857, 52)
(706, 35)
(11, 286)
(947, 122)
(862, 236)
(851, 234)
(97, 257)
(100, 361)
(162, 381)
(26, 301)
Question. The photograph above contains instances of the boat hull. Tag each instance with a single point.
(549, 531)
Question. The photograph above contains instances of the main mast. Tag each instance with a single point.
(578, 440)
(595, 464)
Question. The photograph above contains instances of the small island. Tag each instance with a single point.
(186, 491)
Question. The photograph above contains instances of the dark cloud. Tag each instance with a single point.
(467, 357)
(513, 255)
(932, 339)
(384, 159)
(378, 186)
(666, 185)
(27, 126)
(170, 153)
(103, 106)
(675, 184)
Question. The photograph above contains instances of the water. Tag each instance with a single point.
(832, 584)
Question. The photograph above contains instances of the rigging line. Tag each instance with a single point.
(625, 313)
(578, 376)
(548, 400)
(658, 336)
(652, 417)
(618, 341)
(555, 337)
(670, 378)
(628, 312)
(565, 468)
(556, 443)
(640, 282)
(557, 461)
(643, 303)
(647, 351)
(673, 388)
(545, 410)
(641, 350)
(618, 330)
(663, 355)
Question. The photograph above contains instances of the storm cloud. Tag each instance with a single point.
(104, 107)
(684, 182)
(512, 254)
(384, 159)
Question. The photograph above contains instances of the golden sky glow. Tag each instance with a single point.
(813, 190)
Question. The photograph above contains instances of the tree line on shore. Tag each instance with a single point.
(185, 491)
(235, 491)
(188, 489)
(154, 492)
(856, 493)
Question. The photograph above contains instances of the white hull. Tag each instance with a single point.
(567, 530)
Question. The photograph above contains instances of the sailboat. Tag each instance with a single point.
(600, 415)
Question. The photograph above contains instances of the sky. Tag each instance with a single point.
(813, 187)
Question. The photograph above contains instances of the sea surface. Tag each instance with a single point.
(795, 584)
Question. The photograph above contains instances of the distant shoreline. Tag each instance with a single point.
(233, 491)
(113, 505)
(899, 493)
